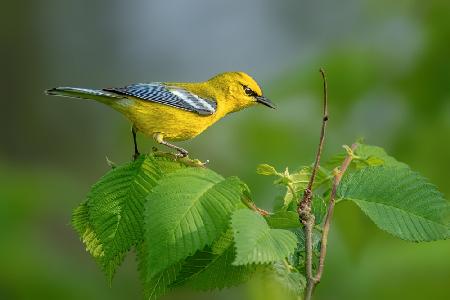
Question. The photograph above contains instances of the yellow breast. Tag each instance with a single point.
(174, 123)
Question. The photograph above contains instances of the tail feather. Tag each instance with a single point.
(82, 93)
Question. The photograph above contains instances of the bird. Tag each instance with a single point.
(175, 111)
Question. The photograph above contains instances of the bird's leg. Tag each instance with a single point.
(136, 150)
(159, 138)
(182, 153)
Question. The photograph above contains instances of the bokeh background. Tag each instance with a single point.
(388, 64)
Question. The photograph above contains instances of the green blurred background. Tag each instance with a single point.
(388, 64)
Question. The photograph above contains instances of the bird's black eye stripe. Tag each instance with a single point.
(248, 91)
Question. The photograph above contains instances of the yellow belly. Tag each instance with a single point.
(175, 124)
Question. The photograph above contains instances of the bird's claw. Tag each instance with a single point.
(181, 154)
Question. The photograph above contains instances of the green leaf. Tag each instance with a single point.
(187, 211)
(399, 201)
(316, 239)
(375, 156)
(366, 156)
(212, 268)
(80, 218)
(208, 271)
(115, 208)
(265, 169)
(159, 284)
(290, 279)
(80, 222)
(283, 220)
(298, 182)
(223, 242)
(256, 242)
(116, 204)
(319, 209)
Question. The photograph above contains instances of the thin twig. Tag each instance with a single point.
(250, 204)
(308, 229)
(307, 195)
(304, 206)
(326, 226)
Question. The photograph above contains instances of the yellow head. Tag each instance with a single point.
(238, 91)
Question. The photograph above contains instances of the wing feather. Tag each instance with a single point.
(171, 96)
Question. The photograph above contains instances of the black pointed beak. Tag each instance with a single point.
(264, 101)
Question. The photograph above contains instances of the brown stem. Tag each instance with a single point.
(304, 205)
(250, 204)
(308, 229)
(260, 211)
(326, 226)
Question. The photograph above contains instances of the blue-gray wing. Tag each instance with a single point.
(172, 96)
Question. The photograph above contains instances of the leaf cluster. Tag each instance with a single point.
(192, 227)
(187, 225)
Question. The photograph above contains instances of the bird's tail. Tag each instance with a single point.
(82, 93)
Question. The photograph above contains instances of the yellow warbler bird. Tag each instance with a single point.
(175, 111)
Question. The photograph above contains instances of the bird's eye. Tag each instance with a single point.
(248, 91)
